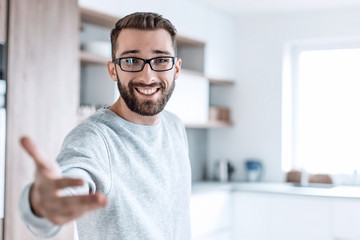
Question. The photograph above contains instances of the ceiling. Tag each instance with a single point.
(251, 6)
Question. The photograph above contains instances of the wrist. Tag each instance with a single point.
(32, 202)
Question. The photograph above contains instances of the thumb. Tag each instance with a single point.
(42, 164)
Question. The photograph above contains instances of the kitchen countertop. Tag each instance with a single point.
(352, 192)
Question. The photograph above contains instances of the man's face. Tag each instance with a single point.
(146, 92)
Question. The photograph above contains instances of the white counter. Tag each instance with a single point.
(279, 188)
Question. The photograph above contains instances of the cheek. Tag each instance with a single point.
(167, 78)
(125, 77)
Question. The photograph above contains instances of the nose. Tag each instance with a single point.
(147, 75)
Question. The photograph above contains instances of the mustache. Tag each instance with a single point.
(156, 84)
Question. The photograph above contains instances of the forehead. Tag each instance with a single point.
(144, 41)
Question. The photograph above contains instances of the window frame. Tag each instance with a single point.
(290, 79)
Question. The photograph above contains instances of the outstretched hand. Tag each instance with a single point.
(45, 194)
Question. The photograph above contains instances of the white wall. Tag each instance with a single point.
(256, 98)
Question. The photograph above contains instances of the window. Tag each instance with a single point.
(321, 109)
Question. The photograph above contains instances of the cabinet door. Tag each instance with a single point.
(42, 96)
(299, 218)
(190, 99)
(346, 219)
(3, 16)
(250, 216)
(258, 216)
(210, 214)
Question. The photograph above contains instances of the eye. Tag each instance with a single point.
(161, 60)
(130, 61)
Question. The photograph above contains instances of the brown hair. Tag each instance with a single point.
(142, 21)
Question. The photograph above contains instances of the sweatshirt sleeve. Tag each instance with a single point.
(83, 155)
(39, 226)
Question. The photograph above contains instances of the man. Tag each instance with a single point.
(124, 172)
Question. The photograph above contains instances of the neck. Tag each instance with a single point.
(120, 108)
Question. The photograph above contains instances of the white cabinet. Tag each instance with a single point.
(210, 215)
(346, 219)
(263, 216)
(257, 215)
(299, 218)
(190, 99)
(250, 216)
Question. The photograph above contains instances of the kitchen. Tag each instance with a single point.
(254, 49)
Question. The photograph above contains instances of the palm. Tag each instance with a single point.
(45, 198)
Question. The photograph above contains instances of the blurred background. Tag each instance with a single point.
(268, 94)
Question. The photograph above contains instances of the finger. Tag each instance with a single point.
(68, 182)
(87, 201)
(78, 205)
(33, 151)
(39, 157)
(74, 207)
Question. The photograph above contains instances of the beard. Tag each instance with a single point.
(145, 107)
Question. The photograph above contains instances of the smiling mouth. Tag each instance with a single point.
(147, 91)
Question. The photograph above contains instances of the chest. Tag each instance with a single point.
(150, 165)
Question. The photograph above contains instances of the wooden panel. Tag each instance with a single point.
(43, 92)
(2, 228)
(3, 16)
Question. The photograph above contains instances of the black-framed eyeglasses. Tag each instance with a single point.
(135, 64)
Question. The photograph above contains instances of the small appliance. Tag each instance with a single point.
(223, 170)
(254, 170)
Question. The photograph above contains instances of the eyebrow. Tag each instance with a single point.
(135, 51)
(129, 51)
(161, 52)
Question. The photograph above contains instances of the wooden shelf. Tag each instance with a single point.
(218, 81)
(108, 21)
(191, 72)
(90, 58)
(185, 41)
(210, 124)
(97, 18)
(212, 81)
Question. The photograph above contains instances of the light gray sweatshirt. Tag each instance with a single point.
(143, 170)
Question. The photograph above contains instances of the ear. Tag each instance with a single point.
(111, 69)
(177, 67)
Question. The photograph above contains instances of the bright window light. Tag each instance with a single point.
(326, 111)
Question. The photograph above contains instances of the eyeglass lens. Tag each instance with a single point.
(132, 64)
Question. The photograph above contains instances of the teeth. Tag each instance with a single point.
(147, 91)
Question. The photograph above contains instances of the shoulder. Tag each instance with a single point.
(91, 129)
(171, 117)
(175, 127)
(173, 122)
(100, 121)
